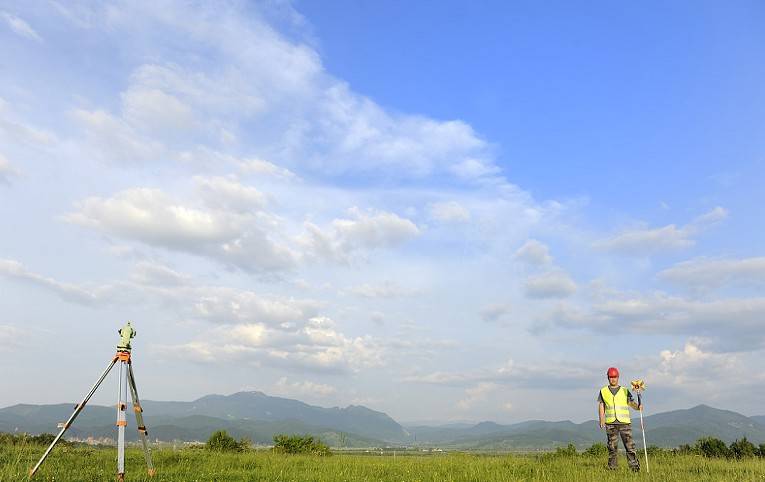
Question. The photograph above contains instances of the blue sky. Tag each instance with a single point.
(442, 211)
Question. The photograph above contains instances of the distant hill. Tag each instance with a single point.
(246, 414)
(668, 429)
(259, 406)
(258, 417)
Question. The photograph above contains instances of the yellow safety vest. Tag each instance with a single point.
(617, 409)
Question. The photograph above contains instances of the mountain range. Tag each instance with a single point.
(259, 417)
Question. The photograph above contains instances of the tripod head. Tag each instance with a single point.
(126, 333)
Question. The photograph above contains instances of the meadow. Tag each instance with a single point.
(199, 465)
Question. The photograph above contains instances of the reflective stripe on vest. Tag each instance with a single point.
(617, 409)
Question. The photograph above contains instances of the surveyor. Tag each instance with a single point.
(614, 404)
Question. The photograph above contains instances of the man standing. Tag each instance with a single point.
(613, 408)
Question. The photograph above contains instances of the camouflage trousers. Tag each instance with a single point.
(625, 432)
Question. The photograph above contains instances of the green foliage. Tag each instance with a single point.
(686, 449)
(300, 444)
(42, 439)
(761, 451)
(597, 449)
(742, 448)
(567, 451)
(221, 441)
(26, 439)
(655, 450)
(712, 447)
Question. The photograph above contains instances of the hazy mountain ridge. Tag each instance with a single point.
(667, 429)
(258, 417)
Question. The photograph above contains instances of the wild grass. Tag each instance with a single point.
(195, 465)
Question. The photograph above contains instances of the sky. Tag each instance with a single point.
(440, 210)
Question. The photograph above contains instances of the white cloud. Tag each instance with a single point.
(471, 168)
(494, 312)
(713, 273)
(377, 317)
(20, 27)
(648, 241)
(449, 212)
(114, 140)
(14, 269)
(153, 283)
(643, 242)
(251, 327)
(314, 345)
(15, 131)
(276, 94)
(286, 388)
(153, 274)
(365, 230)
(156, 111)
(259, 166)
(6, 171)
(534, 252)
(708, 219)
(730, 324)
(562, 374)
(696, 373)
(152, 217)
(10, 337)
(553, 284)
(476, 394)
(386, 289)
(229, 194)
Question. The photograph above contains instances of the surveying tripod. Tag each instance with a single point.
(126, 379)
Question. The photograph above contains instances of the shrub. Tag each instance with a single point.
(686, 449)
(655, 450)
(712, 447)
(760, 452)
(567, 451)
(597, 449)
(42, 439)
(221, 441)
(26, 439)
(742, 449)
(300, 444)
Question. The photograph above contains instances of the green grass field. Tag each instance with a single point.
(190, 465)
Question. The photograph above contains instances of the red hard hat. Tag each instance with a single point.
(613, 372)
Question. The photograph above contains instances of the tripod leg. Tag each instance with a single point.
(139, 420)
(121, 420)
(76, 412)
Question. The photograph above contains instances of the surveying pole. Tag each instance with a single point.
(126, 380)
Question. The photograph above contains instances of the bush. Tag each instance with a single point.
(26, 439)
(567, 451)
(712, 447)
(686, 449)
(742, 449)
(598, 448)
(655, 450)
(42, 439)
(761, 451)
(221, 441)
(300, 444)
